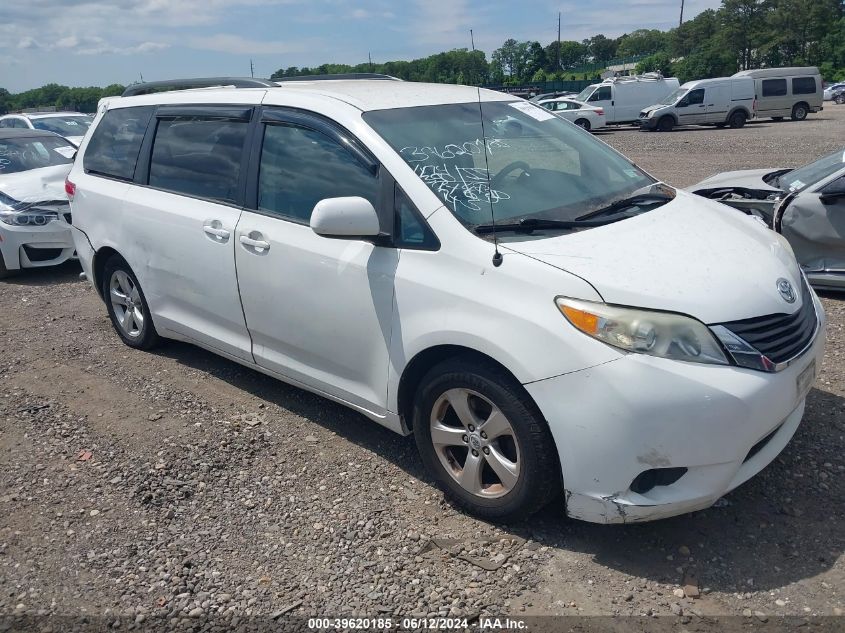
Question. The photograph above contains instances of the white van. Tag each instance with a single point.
(722, 101)
(787, 92)
(623, 98)
(461, 265)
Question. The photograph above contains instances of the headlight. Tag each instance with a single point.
(27, 218)
(649, 332)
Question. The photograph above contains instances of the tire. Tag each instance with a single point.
(665, 124)
(800, 111)
(737, 120)
(138, 330)
(485, 393)
(584, 123)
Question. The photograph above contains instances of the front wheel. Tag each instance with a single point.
(799, 112)
(127, 305)
(666, 124)
(737, 120)
(484, 440)
(584, 123)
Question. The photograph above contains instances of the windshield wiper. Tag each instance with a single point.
(626, 203)
(527, 225)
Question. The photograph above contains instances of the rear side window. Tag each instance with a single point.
(774, 87)
(300, 167)
(115, 143)
(198, 157)
(804, 86)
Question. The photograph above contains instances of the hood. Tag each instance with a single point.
(691, 256)
(36, 185)
(747, 179)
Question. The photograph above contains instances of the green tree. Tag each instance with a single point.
(659, 62)
(642, 42)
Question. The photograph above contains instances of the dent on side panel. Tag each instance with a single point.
(816, 232)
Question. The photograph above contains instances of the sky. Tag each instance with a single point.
(85, 42)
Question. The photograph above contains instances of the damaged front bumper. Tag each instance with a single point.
(691, 432)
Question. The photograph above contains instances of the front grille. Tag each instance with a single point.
(780, 337)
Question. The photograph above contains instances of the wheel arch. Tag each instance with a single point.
(736, 109)
(423, 361)
(102, 256)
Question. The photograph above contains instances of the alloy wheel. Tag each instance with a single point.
(475, 443)
(126, 302)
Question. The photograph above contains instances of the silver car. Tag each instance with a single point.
(806, 205)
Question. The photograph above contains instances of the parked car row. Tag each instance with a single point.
(71, 125)
(502, 278)
(658, 103)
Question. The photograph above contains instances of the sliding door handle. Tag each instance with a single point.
(260, 245)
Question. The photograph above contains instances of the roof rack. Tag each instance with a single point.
(203, 82)
(338, 77)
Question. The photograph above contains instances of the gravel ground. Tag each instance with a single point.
(180, 485)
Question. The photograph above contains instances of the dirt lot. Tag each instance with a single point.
(179, 484)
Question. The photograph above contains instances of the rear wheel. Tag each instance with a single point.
(584, 123)
(799, 111)
(666, 124)
(484, 440)
(737, 119)
(127, 305)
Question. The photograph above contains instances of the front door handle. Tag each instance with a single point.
(253, 242)
(215, 230)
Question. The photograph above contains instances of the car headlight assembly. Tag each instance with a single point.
(27, 218)
(661, 334)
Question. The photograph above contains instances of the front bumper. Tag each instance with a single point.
(36, 246)
(615, 421)
(647, 124)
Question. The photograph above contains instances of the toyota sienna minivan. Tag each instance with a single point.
(552, 323)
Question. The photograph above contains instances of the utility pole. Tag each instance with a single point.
(682, 14)
(251, 69)
(472, 40)
(370, 56)
(558, 40)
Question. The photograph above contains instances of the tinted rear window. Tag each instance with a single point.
(114, 146)
(198, 157)
(774, 87)
(803, 86)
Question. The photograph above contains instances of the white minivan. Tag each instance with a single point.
(551, 323)
(723, 101)
(787, 92)
(623, 98)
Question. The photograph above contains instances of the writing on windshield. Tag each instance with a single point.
(450, 171)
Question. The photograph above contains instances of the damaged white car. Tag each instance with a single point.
(34, 209)
(805, 205)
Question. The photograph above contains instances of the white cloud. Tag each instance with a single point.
(237, 45)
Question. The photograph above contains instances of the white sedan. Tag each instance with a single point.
(34, 209)
(587, 116)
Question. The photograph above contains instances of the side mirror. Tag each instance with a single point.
(345, 218)
(833, 192)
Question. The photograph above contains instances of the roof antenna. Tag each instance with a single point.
(497, 256)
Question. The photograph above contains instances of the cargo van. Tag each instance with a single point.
(722, 101)
(623, 98)
(786, 92)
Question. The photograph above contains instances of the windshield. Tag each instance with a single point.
(584, 95)
(808, 175)
(674, 97)
(66, 126)
(536, 165)
(23, 154)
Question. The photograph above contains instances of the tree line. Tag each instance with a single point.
(740, 34)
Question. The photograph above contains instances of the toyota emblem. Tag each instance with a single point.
(786, 290)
